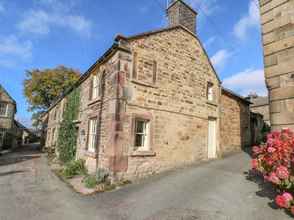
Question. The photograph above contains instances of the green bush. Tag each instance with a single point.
(66, 142)
(90, 182)
(74, 168)
(101, 175)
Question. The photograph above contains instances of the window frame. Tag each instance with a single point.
(2, 137)
(210, 92)
(95, 87)
(92, 135)
(146, 134)
(5, 105)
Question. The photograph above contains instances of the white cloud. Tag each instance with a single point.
(246, 82)
(36, 22)
(13, 51)
(2, 9)
(251, 20)
(51, 14)
(209, 41)
(207, 6)
(220, 58)
(12, 46)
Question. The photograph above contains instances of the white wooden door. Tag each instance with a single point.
(211, 138)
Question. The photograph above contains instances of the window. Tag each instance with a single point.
(142, 134)
(48, 137)
(55, 114)
(92, 135)
(95, 88)
(135, 57)
(2, 136)
(3, 109)
(53, 136)
(210, 95)
(154, 71)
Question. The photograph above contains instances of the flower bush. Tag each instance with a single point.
(275, 161)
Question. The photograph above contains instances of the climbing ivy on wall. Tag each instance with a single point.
(66, 142)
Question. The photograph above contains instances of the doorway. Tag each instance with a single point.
(211, 138)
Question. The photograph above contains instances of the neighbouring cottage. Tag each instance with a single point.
(153, 102)
(9, 132)
(260, 105)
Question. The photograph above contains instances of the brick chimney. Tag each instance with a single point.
(180, 13)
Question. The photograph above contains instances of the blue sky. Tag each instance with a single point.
(74, 33)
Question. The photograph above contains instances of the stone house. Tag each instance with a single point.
(260, 104)
(153, 102)
(8, 128)
(278, 43)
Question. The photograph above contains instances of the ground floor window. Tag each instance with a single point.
(92, 135)
(2, 136)
(142, 135)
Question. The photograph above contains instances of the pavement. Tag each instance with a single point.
(213, 190)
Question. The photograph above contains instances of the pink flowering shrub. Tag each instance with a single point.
(275, 161)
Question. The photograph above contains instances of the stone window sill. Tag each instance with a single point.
(212, 103)
(92, 102)
(144, 83)
(91, 154)
(76, 121)
(143, 154)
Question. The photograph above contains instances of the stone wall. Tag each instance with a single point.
(54, 119)
(175, 104)
(163, 78)
(179, 13)
(7, 122)
(278, 42)
(235, 123)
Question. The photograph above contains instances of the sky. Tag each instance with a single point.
(75, 33)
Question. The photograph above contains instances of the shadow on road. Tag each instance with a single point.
(11, 173)
(20, 155)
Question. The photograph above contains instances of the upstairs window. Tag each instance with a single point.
(3, 109)
(53, 136)
(95, 87)
(154, 78)
(210, 95)
(92, 135)
(142, 135)
(135, 57)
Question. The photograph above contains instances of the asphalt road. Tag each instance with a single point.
(214, 190)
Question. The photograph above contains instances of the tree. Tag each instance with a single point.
(43, 87)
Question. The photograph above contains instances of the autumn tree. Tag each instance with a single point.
(43, 87)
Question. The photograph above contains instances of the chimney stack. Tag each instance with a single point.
(180, 13)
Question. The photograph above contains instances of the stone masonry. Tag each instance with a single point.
(235, 122)
(7, 124)
(165, 80)
(278, 41)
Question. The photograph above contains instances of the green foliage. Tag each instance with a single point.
(43, 87)
(74, 168)
(101, 175)
(90, 182)
(66, 142)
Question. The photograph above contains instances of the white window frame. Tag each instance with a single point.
(145, 145)
(210, 93)
(5, 105)
(53, 136)
(95, 87)
(92, 135)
